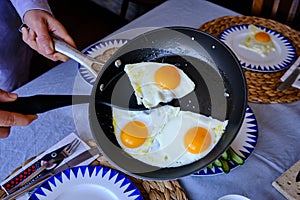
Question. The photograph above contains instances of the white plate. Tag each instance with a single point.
(97, 49)
(233, 197)
(280, 59)
(87, 182)
(243, 144)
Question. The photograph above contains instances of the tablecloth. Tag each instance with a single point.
(276, 150)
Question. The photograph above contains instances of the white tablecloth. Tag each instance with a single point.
(279, 128)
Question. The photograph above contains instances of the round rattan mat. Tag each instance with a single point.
(150, 190)
(261, 85)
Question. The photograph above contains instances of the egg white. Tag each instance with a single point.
(141, 76)
(261, 48)
(165, 147)
(171, 151)
(155, 121)
(215, 128)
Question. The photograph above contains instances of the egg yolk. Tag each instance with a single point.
(262, 37)
(167, 77)
(197, 140)
(134, 134)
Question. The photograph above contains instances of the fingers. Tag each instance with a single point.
(29, 38)
(61, 57)
(64, 35)
(44, 41)
(8, 119)
(44, 45)
(7, 96)
(59, 30)
(40, 24)
(4, 132)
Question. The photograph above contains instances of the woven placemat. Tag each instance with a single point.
(150, 190)
(261, 86)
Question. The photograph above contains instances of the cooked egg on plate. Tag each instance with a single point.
(275, 60)
(258, 41)
(167, 137)
(157, 82)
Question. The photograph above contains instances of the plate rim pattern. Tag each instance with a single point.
(252, 137)
(128, 188)
(92, 49)
(287, 62)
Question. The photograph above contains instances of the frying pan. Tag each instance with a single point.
(220, 92)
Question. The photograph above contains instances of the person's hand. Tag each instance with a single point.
(40, 24)
(8, 119)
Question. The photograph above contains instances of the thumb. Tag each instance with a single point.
(7, 96)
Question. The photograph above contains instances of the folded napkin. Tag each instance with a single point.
(288, 184)
(81, 148)
(296, 83)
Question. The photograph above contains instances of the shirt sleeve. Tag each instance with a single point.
(22, 6)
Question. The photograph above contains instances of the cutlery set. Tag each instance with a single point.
(288, 82)
(44, 168)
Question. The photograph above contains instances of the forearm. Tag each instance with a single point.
(22, 6)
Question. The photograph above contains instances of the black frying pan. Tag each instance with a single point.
(220, 92)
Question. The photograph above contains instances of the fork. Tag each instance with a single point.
(66, 152)
(69, 149)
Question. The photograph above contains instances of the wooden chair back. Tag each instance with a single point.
(285, 11)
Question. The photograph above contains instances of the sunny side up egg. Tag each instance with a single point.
(157, 82)
(183, 136)
(136, 131)
(258, 41)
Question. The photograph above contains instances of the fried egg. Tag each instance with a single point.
(173, 139)
(157, 82)
(136, 131)
(258, 41)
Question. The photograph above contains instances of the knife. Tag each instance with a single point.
(77, 160)
(19, 178)
(290, 79)
(71, 163)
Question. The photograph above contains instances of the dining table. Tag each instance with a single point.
(276, 147)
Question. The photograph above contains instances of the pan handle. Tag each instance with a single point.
(66, 49)
(42, 103)
(85, 60)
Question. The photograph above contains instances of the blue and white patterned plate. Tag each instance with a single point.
(280, 59)
(87, 182)
(243, 144)
(97, 49)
